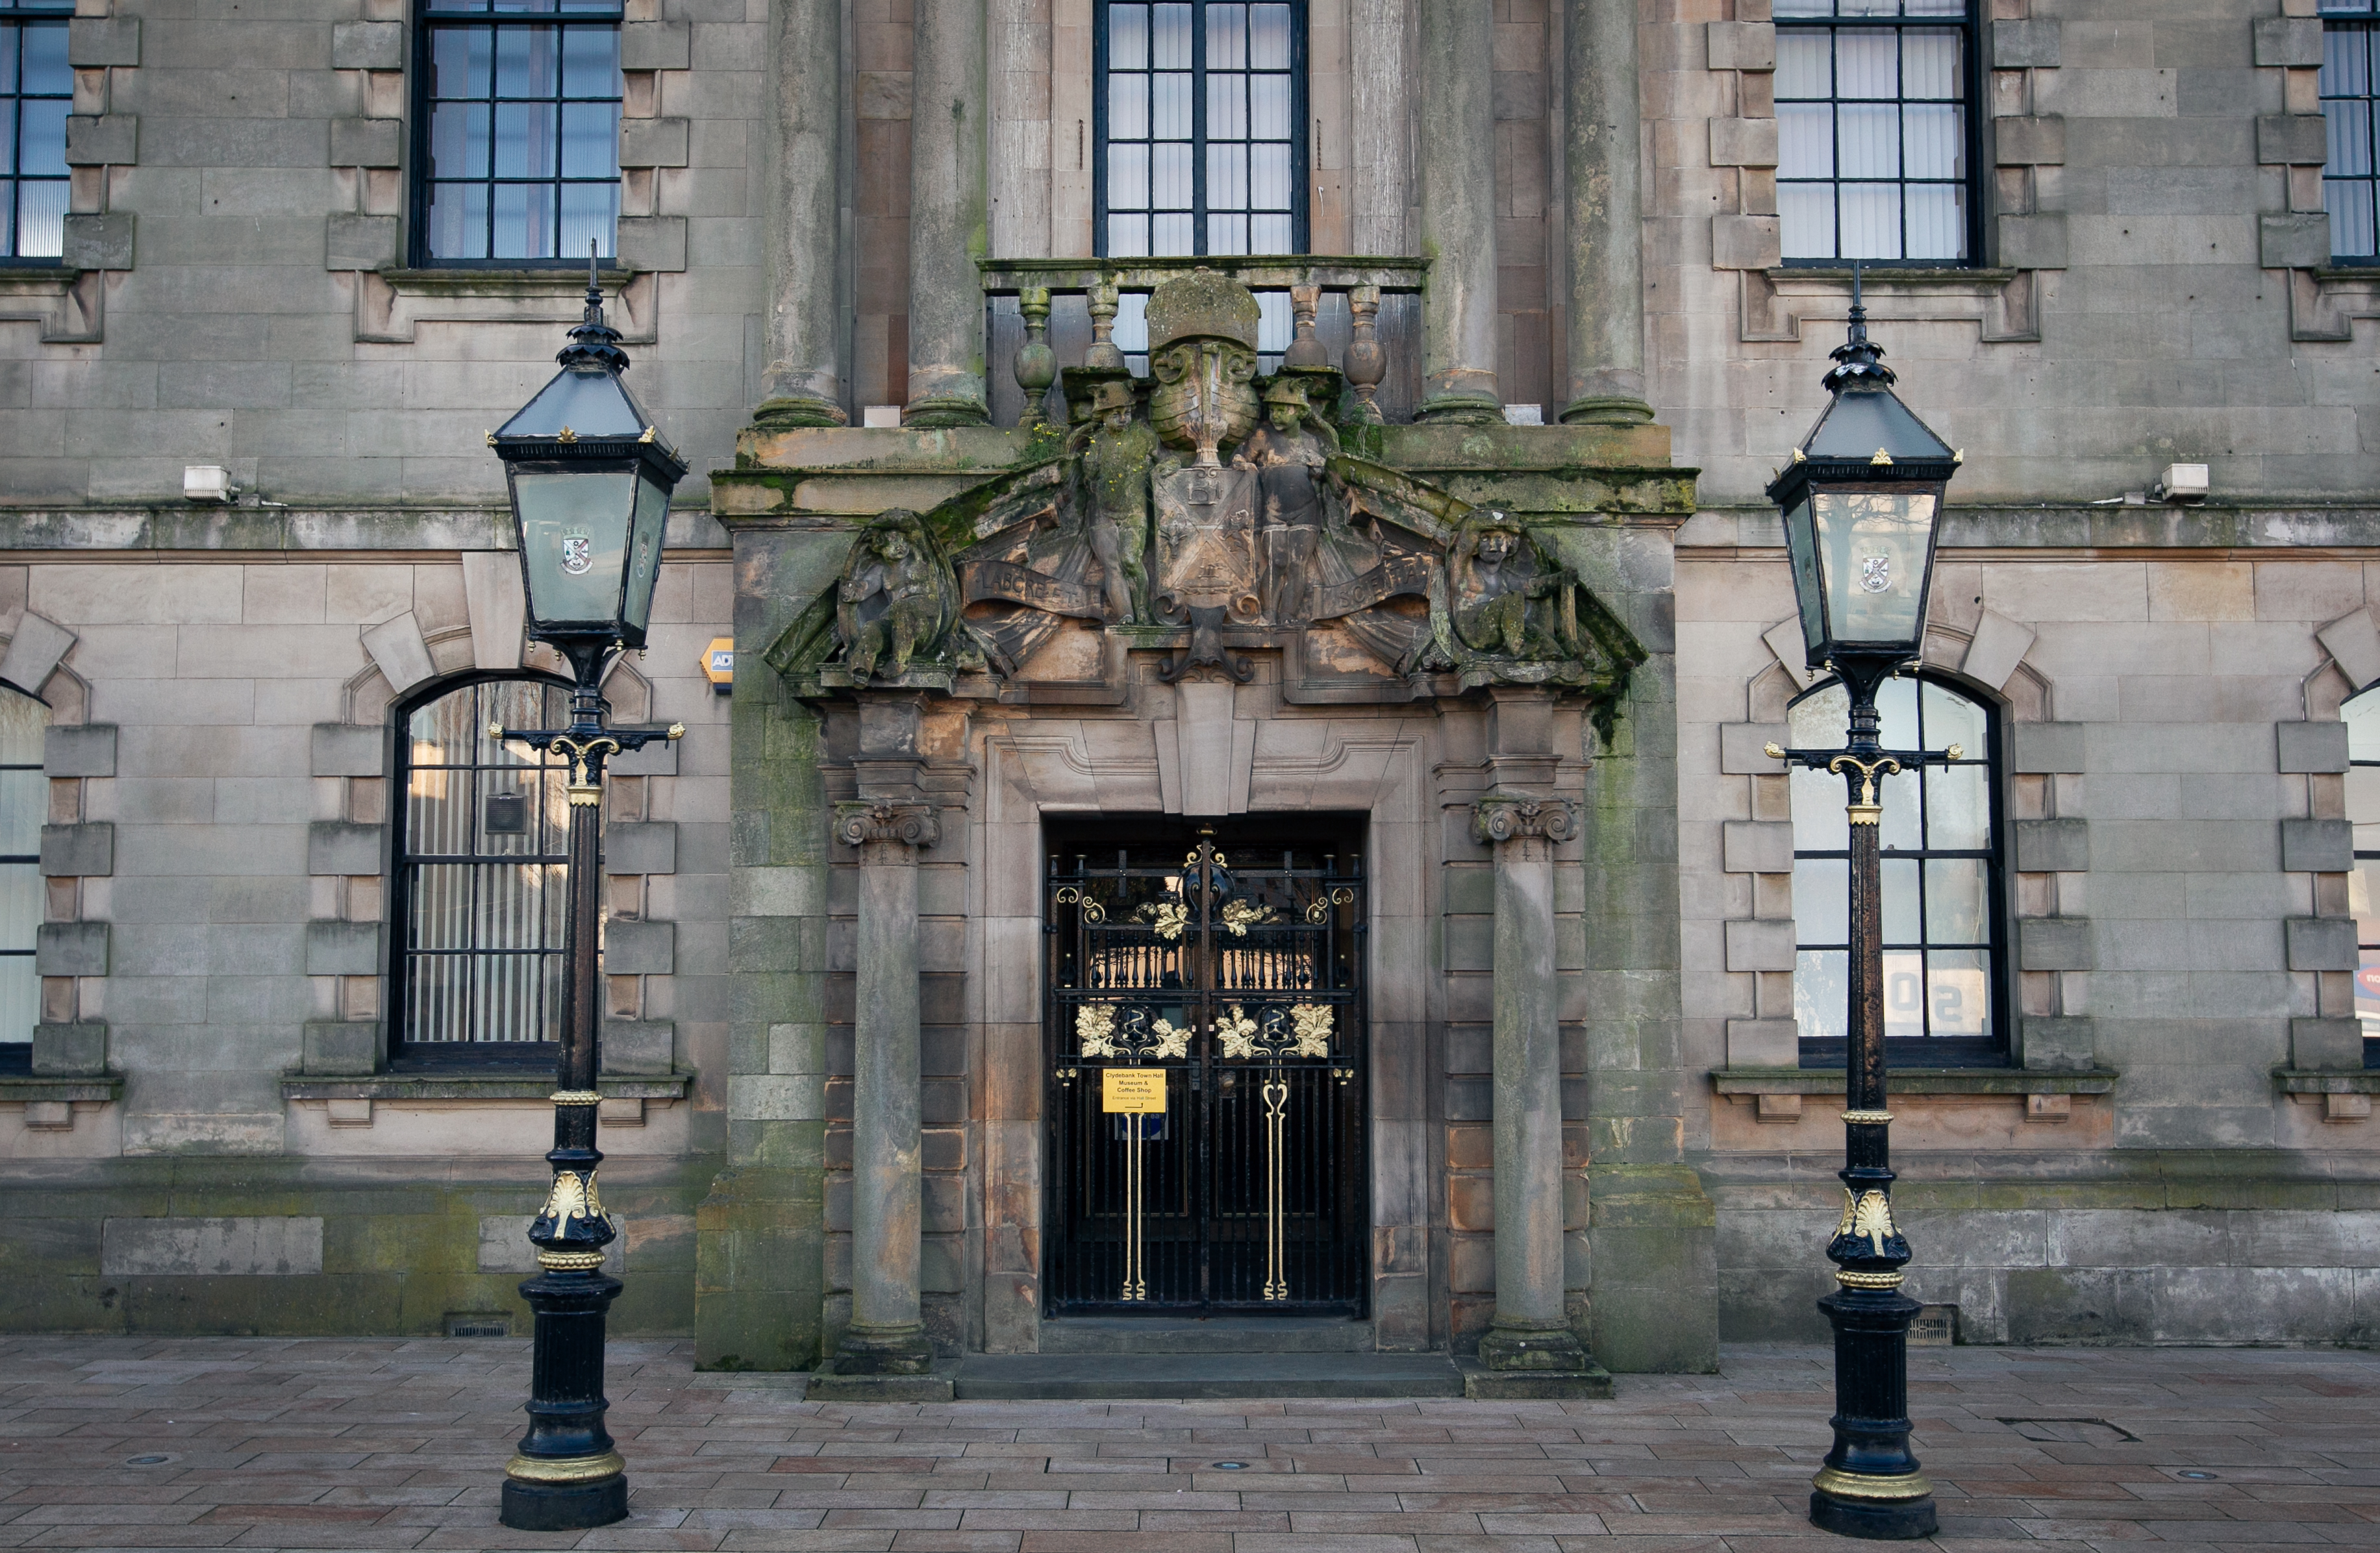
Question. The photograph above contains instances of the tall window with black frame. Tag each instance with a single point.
(482, 877)
(2350, 174)
(1943, 959)
(517, 131)
(24, 804)
(1875, 131)
(2361, 716)
(36, 94)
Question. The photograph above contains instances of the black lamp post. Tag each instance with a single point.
(590, 480)
(1863, 504)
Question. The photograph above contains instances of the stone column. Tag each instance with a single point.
(1601, 136)
(887, 1335)
(1531, 1331)
(1458, 211)
(948, 225)
(803, 382)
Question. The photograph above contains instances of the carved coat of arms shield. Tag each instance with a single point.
(1206, 540)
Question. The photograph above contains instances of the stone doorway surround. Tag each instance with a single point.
(1043, 767)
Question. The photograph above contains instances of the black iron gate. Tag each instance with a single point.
(1206, 1036)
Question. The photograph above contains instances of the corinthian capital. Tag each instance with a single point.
(911, 824)
(1501, 818)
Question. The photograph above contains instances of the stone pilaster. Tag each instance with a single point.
(1458, 211)
(803, 384)
(949, 220)
(885, 1351)
(1602, 131)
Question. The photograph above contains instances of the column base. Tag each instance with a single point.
(1506, 1348)
(931, 411)
(828, 1385)
(799, 410)
(1592, 1383)
(1459, 408)
(865, 1350)
(1607, 410)
(1879, 1520)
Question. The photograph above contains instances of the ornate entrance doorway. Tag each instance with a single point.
(1205, 1027)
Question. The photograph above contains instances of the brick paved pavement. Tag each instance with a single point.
(331, 1444)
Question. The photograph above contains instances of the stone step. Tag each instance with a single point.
(1213, 1334)
(1197, 1376)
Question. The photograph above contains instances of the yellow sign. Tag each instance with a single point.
(1132, 1089)
(718, 662)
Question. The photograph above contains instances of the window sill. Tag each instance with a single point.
(1974, 276)
(2307, 1081)
(511, 1085)
(447, 280)
(2347, 272)
(1916, 1081)
(15, 1089)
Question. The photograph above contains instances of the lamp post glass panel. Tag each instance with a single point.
(591, 481)
(1862, 505)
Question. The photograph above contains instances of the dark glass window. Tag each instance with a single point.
(24, 805)
(36, 93)
(518, 130)
(2351, 39)
(1941, 878)
(1875, 131)
(1201, 116)
(482, 873)
(2363, 718)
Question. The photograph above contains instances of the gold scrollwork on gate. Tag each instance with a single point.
(1276, 1105)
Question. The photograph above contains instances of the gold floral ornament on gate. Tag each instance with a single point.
(1104, 1030)
(1239, 917)
(1299, 1030)
(1169, 917)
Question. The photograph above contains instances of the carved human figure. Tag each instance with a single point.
(1115, 450)
(1493, 597)
(892, 598)
(1287, 453)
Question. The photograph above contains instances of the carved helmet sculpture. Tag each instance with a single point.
(1202, 351)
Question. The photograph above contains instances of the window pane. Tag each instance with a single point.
(1867, 64)
(1805, 144)
(2346, 63)
(458, 221)
(1269, 39)
(525, 140)
(1128, 177)
(1170, 114)
(1929, 64)
(1896, 705)
(1276, 322)
(524, 220)
(591, 212)
(1871, 219)
(1932, 142)
(1803, 8)
(1951, 719)
(1900, 796)
(2349, 128)
(1806, 219)
(1172, 234)
(1268, 177)
(1170, 178)
(461, 145)
(590, 62)
(7, 56)
(1268, 107)
(21, 997)
(1128, 236)
(21, 908)
(1227, 29)
(1958, 811)
(1901, 923)
(1938, 220)
(1904, 995)
(1227, 234)
(1128, 37)
(1820, 985)
(1170, 38)
(590, 145)
(527, 58)
(1227, 107)
(1867, 141)
(41, 219)
(1227, 177)
(1270, 234)
(1822, 900)
(1127, 107)
(1818, 821)
(1956, 911)
(2351, 231)
(1804, 63)
(461, 59)
(45, 68)
(42, 146)
(1958, 992)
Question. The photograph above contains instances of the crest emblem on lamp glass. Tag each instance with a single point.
(1875, 573)
(577, 553)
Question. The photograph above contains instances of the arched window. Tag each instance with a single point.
(481, 875)
(2361, 716)
(24, 802)
(1944, 982)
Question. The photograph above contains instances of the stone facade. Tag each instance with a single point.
(2177, 1145)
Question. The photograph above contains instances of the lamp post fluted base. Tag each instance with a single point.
(565, 1507)
(1870, 1485)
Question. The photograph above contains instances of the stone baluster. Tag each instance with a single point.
(1605, 206)
(887, 1335)
(1366, 362)
(948, 215)
(802, 384)
(1104, 356)
(1458, 212)
(1305, 350)
(1037, 364)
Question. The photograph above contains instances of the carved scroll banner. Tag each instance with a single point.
(1019, 585)
(1395, 574)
